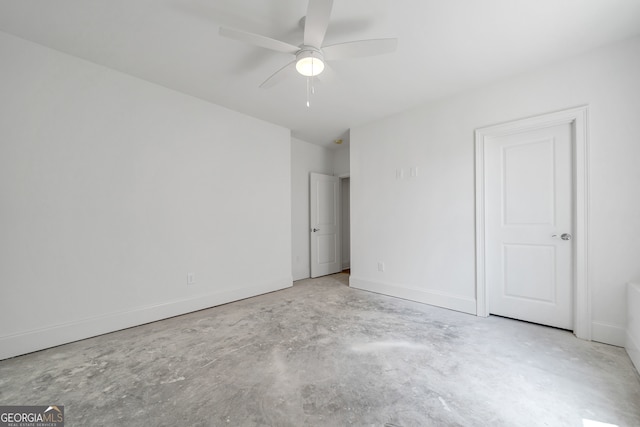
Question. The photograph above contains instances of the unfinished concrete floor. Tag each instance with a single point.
(323, 354)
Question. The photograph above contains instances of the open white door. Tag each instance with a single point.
(325, 225)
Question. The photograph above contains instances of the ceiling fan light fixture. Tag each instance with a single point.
(309, 63)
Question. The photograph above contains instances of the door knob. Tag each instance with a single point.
(316, 229)
(564, 236)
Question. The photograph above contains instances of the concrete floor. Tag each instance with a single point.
(323, 354)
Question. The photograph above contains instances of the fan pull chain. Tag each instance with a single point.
(312, 74)
(311, 90)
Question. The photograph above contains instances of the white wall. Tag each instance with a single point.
(341, 161)
(422, 227)
(633, 323)
(305, 158)
(112, 189)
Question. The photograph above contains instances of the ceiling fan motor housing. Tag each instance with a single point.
(309, 61)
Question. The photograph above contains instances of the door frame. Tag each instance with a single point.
(577, 118)
(342, 209)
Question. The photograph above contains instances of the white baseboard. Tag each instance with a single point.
(633, 350)
(633, 323)
(608, 333)
(346, 265)
(39, 339)
(439, 299)
(300, 276)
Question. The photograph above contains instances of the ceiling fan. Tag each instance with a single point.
(311, 55)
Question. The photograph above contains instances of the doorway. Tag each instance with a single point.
(531, 211)
(329, 224)
(345, 229)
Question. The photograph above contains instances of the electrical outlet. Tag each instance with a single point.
(191, 279)
(380, 266)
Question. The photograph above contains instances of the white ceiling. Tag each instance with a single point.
(444, 46)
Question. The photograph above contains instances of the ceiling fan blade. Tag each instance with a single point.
(328, 75)
(359, 49)
(317, 21)
(258, 40)
(279, 75)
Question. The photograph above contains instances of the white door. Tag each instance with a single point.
(528, 203)
(325, 225)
